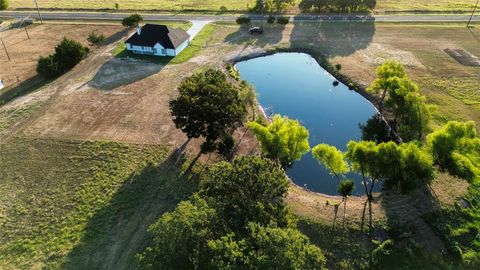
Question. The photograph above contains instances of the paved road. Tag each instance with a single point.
(159, 17)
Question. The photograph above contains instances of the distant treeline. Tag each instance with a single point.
(337, 5)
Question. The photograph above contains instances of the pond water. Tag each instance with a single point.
(295, 85)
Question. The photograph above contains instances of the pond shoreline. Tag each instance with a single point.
(323, 63)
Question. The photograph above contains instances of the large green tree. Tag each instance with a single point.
(237, 220)
(247, 190)
(180, 237)
(68, 53)
(283, 140)
(208, 106)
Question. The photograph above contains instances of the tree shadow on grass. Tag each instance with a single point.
(272, 35)
(28, 86)
(332, 38)
(405, 216)
(127, 68)
(118, 231)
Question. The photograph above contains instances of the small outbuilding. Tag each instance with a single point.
(158, 40)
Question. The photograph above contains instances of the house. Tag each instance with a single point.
(159, 40)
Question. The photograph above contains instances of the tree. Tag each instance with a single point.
(132, 20)
(454, 146)
(180, 237)
(208, 106)
(68, 53)
(376, 130)
(345, 189)
(250, 189)
(270, 19)
(48, 67)
(284, 140)
(332, 158)
(412, 114)
(237, 220)
(417, 167)
(387, 75)
(3, 4)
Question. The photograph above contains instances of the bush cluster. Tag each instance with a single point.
(95, 39)
(243, 20)
(283, 20)
(68, 53)
(337, 5)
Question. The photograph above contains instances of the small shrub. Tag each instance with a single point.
(132, 20)
(271, 19)
(117, 6)
(338, 67)
(233, 72)
(95, 39)
(283, 20)
(223, 9)
(243, 20)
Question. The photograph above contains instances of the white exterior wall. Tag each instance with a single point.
(157, 50)
(183, 46)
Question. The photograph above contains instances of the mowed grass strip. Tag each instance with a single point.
(84, 205)
(237, 5)
(199, 42)
(207, 5)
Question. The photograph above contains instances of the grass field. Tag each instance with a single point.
(77, 205)
(232, 5)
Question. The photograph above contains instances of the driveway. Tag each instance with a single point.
(197, 26)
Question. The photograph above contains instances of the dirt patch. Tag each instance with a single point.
(25, 52)
(121, 71)
(463, 57)
(377, 54)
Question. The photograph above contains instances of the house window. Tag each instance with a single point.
(155, 50)
(164, 51)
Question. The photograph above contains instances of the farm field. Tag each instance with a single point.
(87, 170)
(239, 5)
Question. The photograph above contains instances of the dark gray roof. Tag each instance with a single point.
(151, 34)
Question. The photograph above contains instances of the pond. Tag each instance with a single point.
(295, 85)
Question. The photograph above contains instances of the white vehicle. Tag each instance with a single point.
(1, 84)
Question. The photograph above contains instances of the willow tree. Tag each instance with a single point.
(385, 82)
(284, 140)
(332, 158)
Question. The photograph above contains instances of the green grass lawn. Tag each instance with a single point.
(231, 5)
(81, 205)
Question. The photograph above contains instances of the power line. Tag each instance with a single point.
(473, 12)
(38, 10)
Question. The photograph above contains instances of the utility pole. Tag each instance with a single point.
(263, 12)
(5, 47)
(38, 10)
(28, 36)
(473, 13)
